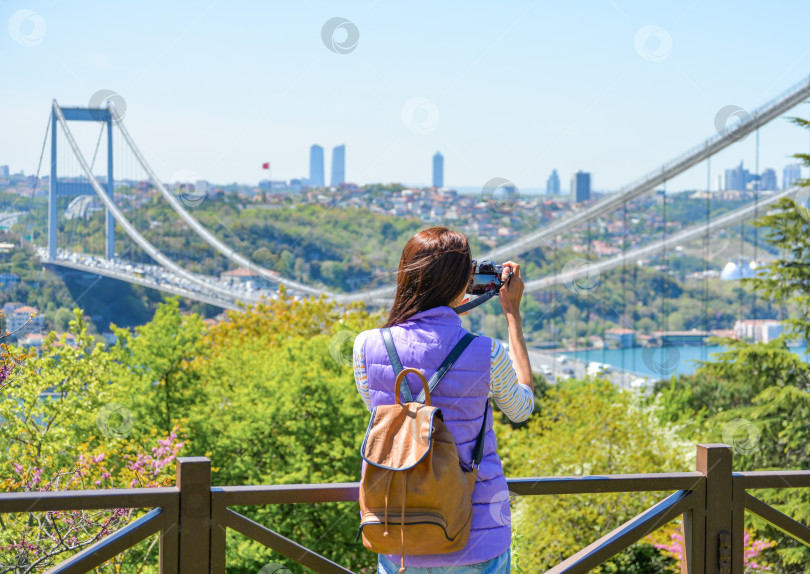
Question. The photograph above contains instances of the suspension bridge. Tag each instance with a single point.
(164, 273)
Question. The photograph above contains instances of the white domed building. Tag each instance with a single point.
(739, 268)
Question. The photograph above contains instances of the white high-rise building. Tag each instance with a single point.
(438, 170)
(790, 174)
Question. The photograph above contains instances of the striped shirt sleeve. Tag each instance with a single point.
(359, 362)
(514, 399)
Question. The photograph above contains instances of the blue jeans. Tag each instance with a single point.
(498, 565)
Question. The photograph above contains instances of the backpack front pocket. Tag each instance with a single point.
(425, 531)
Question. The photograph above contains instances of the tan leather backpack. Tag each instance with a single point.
(415, 498)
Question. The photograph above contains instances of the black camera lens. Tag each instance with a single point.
(486, 266)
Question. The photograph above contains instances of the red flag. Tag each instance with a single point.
(266, 165)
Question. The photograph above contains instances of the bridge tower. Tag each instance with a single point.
(81, 115)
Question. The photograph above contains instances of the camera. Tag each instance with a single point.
(486, 277)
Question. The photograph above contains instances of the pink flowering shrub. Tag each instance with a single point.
(38, 540)
(59, 432)
(752, 548)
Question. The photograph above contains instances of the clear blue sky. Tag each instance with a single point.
(514, 89)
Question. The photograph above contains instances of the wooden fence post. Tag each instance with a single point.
(694, 535)
(194, 480)
(218, 535)
(169, 546)
(737, 528)
(714, 461)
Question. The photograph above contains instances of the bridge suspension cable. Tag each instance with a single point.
(36, 183)
(761, 116)
(709, 147)
(214, 241)
(727, 220)
(142, 242)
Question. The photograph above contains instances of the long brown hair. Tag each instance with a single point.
(434, 268)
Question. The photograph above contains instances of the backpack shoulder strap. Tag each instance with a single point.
(446, 364)
(395, 362)
(478, 449)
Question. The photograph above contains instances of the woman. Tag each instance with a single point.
(434, 270)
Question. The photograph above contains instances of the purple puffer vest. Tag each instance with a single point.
(423, 342)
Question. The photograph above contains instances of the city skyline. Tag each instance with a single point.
(655, 103)
(734, 178)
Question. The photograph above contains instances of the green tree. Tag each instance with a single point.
(262, 256)
(281, 388)
(66, 383)
(268, 394)
(757, 396)
(586, 428)
(62, 431)
(62, 318)
(149, 369)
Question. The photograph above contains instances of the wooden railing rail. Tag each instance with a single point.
(348, 491)
(13, 502)
(193, 517)
(163, 518)
(112, 545)
(742, 501)
(773, 479)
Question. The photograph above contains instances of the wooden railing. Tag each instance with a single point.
(193, 517)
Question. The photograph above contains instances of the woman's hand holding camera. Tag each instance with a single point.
(512, 291)
(510, 296)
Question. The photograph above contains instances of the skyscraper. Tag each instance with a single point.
(438, 170)
(767, 181)
(790, 174)
(4, 171)
(580, 187)
(316, 166)
(553, 183)
(737, 178)
(338, 165)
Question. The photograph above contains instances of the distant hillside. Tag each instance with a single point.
(346, 248)
(337, 247)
